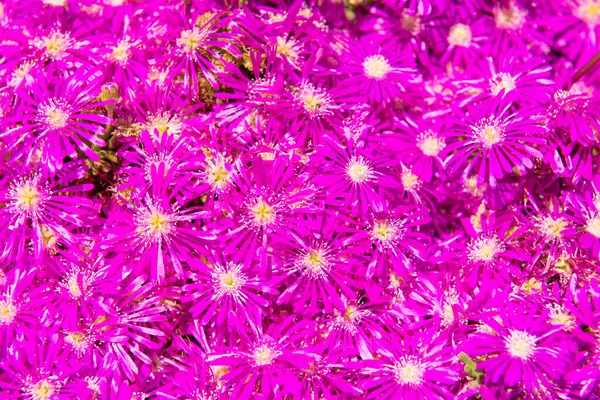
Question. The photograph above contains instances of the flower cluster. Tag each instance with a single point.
(372, 199)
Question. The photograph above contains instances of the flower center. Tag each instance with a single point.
(553, 228)
(54, 114)
(410, 23)
(263, 213)
(501, 81)
(460, 35)
(265, 354)
(20, 73)
(121, 52)
(78, 340)
(288, 48)
(410, 181)
(376, 67)
(27, 197)
(164, 122)
(430, 144)
(56, 45)
(520, 344)
(484, 249)
(409, 371)
(314, 101)
(230, 282)
(315, 262)
(73, 286)
(218, 176)
(43, 390)
(488, 133)
(8, 312)
(383, 232)
(359, 171)
(511, 17)
(559, 317)
(158, 223)
(593, 226)
(589, 12)
(190, 40)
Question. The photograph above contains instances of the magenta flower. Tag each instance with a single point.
(495, 141)
(57, 118)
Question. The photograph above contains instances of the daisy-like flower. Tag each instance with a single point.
(584, 210)
(493, 140)
(196, 47)
(375, 71)
(58, 119)
(520, 348)
(349, 174)
(264, 362)
(37, 214)
(158, 234)
(226, 288)
(158, 163)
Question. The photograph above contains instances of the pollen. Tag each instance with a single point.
(154, 223)
(55, 45)
(43, 390)
(384, 232)
(315, 101)
(158, 223)
(521, 344)
(553, 228)
(376, 67)
(593, 226)
(430, 143)
(229, 281)
(121, 52)
(217, 175)
(488, 132)
(288, 47)
(510, 17)
(502, 81)
(484, 249)
(410, 182)
(460, 35)
(164, 122)
(20, 73)
(190, 40)
(410, 23)
(8, 312)
(315, 263)
(54, 114)
(359, 170)
(558, 316)
(265, 355)
(409, 371)
(263, 213)
(589, 12)
(79, 340)
(26, 196)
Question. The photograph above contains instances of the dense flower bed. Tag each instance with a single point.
(392, 199)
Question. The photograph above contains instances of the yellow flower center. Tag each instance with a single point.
(382, 231)
(589, 12)
(358, 171)
(410, 181)
(78, 340)
(430, 144)
(409, 372)
(501, 81)
(460, 35)
(263, 213)
(520, 344)
(42, 390)
(593, 226)
(410, 23)
(27, 197)
(218, 176)
(158, 223)
(55, 117)
(287, 48)
(511, 17)
(190, 40)
(231, 281)
(553, 228)
(264, 355)
(484, 249)
(376, 67)
(121, 52)
(8, 312)
(56, 45)
(488, 133)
